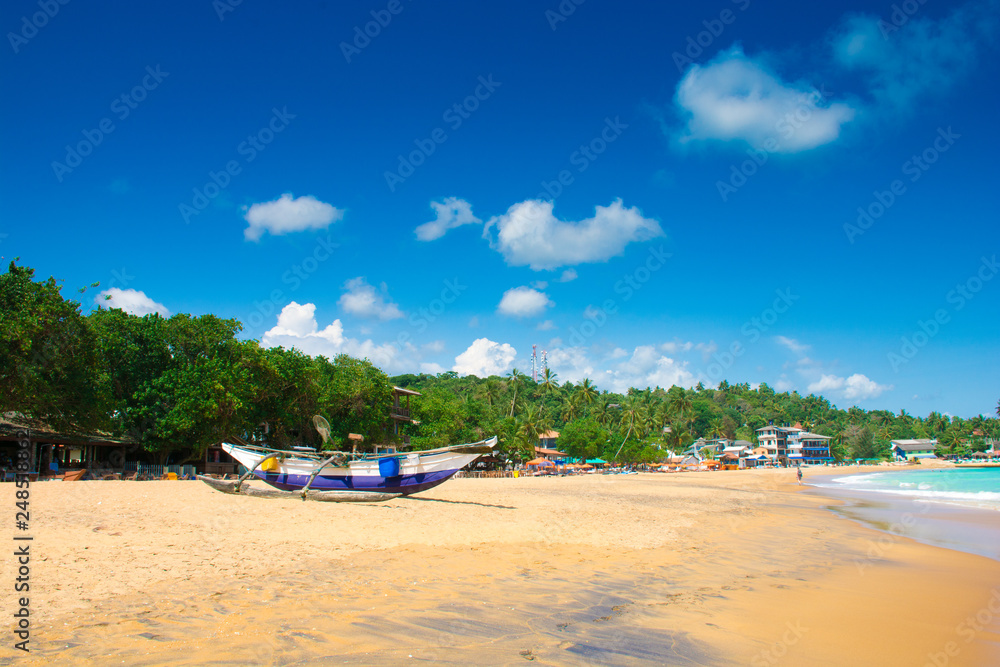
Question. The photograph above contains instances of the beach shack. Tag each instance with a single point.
(912, 450)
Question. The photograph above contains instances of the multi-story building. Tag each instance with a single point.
(793, 445)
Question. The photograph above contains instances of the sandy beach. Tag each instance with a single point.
(693, 569)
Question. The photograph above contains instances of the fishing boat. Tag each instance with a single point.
(343, 477)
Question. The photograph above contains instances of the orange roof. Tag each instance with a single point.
(548, 435)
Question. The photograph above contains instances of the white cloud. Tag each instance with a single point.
(363, 300)
(675, 346)
(855, 387)
(529, 234)
(792, 344)
(568, 275)
(547, 325)
(860, 387)
(451, 213)
(523, 302)
(707, 349)
(572, 364)
(923, 56)
(432, 369)
(648, 368)
(285, 215)
(826, 383)
(735, 98)
(435, 346)
(645, 367)
(131, 301)
(484, 358)
(297, 328)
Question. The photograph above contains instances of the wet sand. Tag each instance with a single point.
(689, 569)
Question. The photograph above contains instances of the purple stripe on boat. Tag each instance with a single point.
(404, 484)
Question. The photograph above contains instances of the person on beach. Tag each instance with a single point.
(798, 473)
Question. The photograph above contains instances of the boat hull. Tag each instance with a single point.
(401, 474)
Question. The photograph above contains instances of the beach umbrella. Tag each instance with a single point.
(539, 462)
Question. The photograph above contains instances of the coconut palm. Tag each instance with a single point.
(571, 406)
(515, 380)
(588, 392)
(549, 383)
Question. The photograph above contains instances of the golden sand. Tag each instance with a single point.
(693, 568)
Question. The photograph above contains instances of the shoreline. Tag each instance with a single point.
(944, 524)
(699, 568)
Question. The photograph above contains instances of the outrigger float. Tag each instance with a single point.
(337, 477)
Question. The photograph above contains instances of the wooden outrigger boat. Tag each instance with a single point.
(337, 477)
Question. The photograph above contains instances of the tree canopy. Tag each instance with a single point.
(177, 385)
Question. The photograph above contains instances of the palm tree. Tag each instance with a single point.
(680, 404)
(588, 392)
(514, 380)
(492, 391)
(549, 383)
(571, 406)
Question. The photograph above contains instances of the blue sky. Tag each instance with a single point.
(652, 194)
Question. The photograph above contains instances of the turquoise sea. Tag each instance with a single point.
(970, 487)
(957, 508)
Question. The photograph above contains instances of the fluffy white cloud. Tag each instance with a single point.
(529, 234)
(792, 344)
(451, 213)
(734, 98)
(285, 215)
(131, 301)
(432, 368)
(645, 367)
(648, 368)
(523, 302)
(297, 328)
(861, 387)
(826, 383)
(547, 325)
(363, 300)
(568, 275)
(855, 387)
(923, 56)
(484, 358)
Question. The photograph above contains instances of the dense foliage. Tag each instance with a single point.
(642, 425)
(176, 385)
(173, 385)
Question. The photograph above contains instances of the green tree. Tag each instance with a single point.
(583, 438)
(48, 358)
